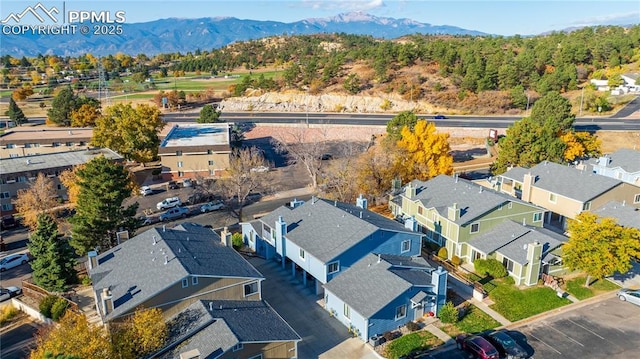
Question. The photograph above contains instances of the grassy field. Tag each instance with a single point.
(515, 304)
(412, 342)
(576, 287)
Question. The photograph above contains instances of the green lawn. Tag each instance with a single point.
(576, 287)
(475, 321)
(409, 343)
(515, 304)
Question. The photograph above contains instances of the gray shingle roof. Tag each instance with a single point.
(581, 185)
(43, 162)
(626, 216)
(369, 285)
(325, 229)
(510, 238)
(135, 270)
(473, 200)
(627, 159)
(221, 324)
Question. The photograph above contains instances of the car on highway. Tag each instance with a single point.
(13, 260)
(9, 292)
(629, 295)
(174, 213)
(478, 346)
(146, 191)
(169, 203)
(439, 117)
(506, 345)
(211, 206)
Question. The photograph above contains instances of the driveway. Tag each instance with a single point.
(322, 336)
(631, 279)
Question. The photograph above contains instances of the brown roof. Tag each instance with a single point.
(45, 134)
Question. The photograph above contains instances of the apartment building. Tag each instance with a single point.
(40, 140)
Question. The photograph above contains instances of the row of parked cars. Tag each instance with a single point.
(496, 345)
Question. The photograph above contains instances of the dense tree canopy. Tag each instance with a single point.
(40, 197)
(427, 152)
(104, 185)
(398, 122)
(208, 114)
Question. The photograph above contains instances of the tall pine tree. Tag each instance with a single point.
(15, 113)
(104, 185)
(61, 107)
(54, 261)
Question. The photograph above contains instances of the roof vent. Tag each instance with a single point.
(166, 259)
(220, 306)
(179, 250)
(154, 240)
(379, 258)
(164, 227)
(28, 161)
(335, 203)
(360, 214)
(211, 306)
(70, 132)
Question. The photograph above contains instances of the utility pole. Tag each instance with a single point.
(581, 101)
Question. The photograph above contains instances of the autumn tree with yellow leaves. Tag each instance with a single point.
(580, 144)
(140, 335)
(69, 179)
(40, 197)
(427, 152)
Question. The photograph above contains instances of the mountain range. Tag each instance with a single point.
(183, 35)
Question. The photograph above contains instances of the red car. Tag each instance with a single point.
(478, 346)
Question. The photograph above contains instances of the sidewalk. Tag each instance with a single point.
(495, 315)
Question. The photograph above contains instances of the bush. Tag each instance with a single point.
(46, 304)
(412, 326)
(86, 280)
(455, 260)
(236, 240)
(389, 336)
(490, 267)
(7, 313)
(509, 280)
(442, 253)
(59, 308)
(448, 313)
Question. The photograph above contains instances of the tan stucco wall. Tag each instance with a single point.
(274, 350)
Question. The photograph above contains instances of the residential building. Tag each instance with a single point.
(209, 294)
(565, 191)
(380, 293)
(626, 216)
(623, 164)
(451, 211)
(631, 83)
(40, 140)
(322, 238)
(195, 150)
(17, 173)
(525, 251)
(229, 329)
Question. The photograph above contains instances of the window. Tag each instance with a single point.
(81, 143)
(237, 347)
(7, 207)
(210, 163)
(401, 312)
(508, 263)
(13, 155)
(185, 283)
(178, 153)
(56, 144)
(586, 206)
(301, 253)
(420, 210)
(510, 205)
(194, 280)
(209, 152)
(259, 356)
(434, 216)
(27, 145)
(251, 288)
(212, 172)
(59, 187)
(636, 199)
(10, 145)
(22, 179)
(552, 197)
(346, 311)
(333, 267)
(406, 246)
(69, 144)
(500, 207)
(475, 227)
(180, 174)
(5, 195)
(179, 164)
(537, 217)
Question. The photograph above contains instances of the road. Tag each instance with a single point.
(17, 343)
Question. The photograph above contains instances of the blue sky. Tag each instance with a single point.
(504, 17)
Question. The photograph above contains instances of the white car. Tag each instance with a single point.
(630, 295)
(174, 213)
(13, 260)
(169, 203)
(260, 169)
(9, 292)
(211, 206)
(146, 190)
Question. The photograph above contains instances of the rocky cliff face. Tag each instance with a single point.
(296, 102)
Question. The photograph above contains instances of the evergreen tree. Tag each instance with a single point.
(104, 185)
(61, 107)
(555, 109)
(398, 122)
(15, 113)
(54, 262)
(208, 115)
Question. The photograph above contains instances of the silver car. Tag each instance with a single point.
(630, 295)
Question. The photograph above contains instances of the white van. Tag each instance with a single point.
(169, 203)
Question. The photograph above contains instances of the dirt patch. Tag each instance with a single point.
(615, 140)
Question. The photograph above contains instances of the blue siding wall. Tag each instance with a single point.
(384, 320)
(356, 320)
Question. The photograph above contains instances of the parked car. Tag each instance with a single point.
(172, 185)
(13, 260)
(146, 190)
(9, 292)
(187, 183)
(439, 117)
(506, 345)
(8, 221)
(169, 203)
(174, 213)
(629, 295)
(260, 169)
(477, 346)
(211, 206)
(326, 156)
(199, 197)
(145, 221)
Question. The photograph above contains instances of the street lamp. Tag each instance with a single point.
(528, 100)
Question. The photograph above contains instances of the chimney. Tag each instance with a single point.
(410, 190)
(296, 203)
(93, 259)
(225, 237)
(411, 223)
(527, 184)
(361, 202)
(107, 301)
(453, 212)
(534, 256)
